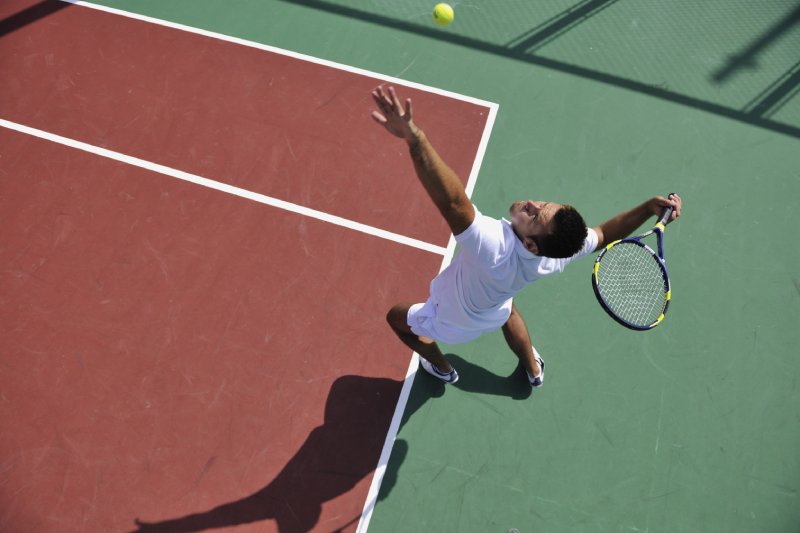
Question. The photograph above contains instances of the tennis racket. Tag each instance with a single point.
(630, 279)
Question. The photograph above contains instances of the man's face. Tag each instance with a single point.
(531, 221)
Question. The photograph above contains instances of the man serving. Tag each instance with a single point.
(497, 258)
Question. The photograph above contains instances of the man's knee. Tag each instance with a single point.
(513, 317)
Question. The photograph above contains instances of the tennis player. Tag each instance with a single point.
(497, 258)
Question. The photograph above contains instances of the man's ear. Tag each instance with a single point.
(531, 245)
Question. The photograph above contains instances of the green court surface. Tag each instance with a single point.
(694, 426)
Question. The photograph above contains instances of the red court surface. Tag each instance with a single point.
(261, 121)
(176, 354)
(165, 353)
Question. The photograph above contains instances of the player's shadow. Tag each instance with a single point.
(341, 452)
(472, 378)
(335, 456)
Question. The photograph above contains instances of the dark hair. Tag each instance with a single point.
(567, 234)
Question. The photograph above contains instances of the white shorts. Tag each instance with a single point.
(423, 321)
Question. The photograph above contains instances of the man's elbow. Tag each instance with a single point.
(459, 215)
(601, 237)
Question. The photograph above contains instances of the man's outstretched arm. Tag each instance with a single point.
(626, 223)
(439, 180)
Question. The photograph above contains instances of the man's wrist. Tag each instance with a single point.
(415, 137)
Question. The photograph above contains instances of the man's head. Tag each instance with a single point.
(547, 228)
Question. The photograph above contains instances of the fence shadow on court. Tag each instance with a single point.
(522, 49)
(30, 15)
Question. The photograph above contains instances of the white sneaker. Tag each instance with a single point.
(447, 377)
(537, 381)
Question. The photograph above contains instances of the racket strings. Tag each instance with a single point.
(631, 282)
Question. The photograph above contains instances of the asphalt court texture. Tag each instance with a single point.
(691, 427)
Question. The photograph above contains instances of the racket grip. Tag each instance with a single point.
(666, 213)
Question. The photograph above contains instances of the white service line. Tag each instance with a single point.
(224, 187)
(283, 52)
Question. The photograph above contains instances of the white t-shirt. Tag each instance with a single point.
(475, 291)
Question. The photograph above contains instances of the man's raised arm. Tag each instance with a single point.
(625, 223)
(439, 180)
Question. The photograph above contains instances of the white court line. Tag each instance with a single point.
(405, 392)
(394, 427)
(224, 187)
(283, 52)
(491, 106)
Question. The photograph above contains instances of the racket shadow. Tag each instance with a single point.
(332, 460)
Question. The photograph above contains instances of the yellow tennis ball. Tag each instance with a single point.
(443, 14)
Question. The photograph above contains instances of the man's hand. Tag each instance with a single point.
(657, 204)
(441, 183)
(392, 116)
(626, 223)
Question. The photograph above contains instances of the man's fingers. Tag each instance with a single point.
(390, 110)
(674, 201)
(380, 119)
(395, 101)
(389, 102)
(385, 98)
(678, 205)
(380, 100)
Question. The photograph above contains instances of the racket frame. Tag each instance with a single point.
(658, 229)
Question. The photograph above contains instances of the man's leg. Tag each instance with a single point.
(397, 317)
(519, 340)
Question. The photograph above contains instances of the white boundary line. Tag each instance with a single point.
(394, 427)
(283, 52)
(224, 187)
(405, 392)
